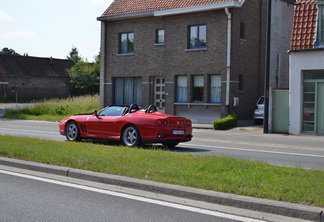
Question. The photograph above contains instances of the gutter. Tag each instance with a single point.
(142, 14)
(305, 50)
(200, 8)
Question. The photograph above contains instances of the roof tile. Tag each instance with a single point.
(304, 27)
(131, 6)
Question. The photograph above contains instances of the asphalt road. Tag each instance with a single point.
(250, 143)
(34, 198)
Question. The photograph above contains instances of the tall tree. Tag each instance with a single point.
(8, 51)
(84, 77)
(74, 55)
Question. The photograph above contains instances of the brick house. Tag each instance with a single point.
(307, 68)
(34, 77)
(201, 59)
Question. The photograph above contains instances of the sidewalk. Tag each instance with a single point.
(7, 106)
(250, 203)
(250, 128)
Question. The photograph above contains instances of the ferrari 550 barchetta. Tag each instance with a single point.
(129, 125)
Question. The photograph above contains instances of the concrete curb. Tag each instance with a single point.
(250, 203)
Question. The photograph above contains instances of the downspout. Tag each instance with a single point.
(103, 63)
(228, 63)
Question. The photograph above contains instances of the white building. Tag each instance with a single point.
(307, 69)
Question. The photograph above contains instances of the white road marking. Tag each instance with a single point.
(250, 150)
(137, 198)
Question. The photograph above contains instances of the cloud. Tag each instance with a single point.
(5, 17)
(17, 34)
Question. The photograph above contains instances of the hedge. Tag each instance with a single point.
(225, 123)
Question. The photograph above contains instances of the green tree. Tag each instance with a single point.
(8, 51)
(74, 55)
(84, 78)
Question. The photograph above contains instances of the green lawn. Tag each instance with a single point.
(222, 174)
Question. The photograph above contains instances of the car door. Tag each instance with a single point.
(102, 127)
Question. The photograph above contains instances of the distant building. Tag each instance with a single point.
(307, 68)
(199, 59)
(33, 77)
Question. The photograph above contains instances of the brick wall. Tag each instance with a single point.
(37, 87)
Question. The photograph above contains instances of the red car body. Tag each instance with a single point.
(130, 126)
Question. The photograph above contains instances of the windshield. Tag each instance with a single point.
(112, 111)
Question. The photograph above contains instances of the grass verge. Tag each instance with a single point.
(56, 109)
(222, 174)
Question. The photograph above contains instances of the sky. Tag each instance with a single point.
(50, 28)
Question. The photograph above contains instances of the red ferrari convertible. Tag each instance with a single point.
(128, 125)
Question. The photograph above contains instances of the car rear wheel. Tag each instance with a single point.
(131, 136)
(72, 131)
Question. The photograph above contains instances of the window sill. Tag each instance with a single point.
(126, 54)
(196, 50)
(197, 104)
(159, 44)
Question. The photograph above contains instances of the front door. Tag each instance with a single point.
(159, 94)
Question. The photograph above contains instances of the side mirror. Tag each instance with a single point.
(95, 113)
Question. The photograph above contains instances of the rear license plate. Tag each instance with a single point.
(178, 132)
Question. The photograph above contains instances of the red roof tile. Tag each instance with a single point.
(131, 6)
(304, 26)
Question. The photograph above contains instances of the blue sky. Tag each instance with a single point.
(47, 28)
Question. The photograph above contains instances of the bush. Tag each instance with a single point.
(225, 123)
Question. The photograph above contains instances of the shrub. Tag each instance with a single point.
(225, 123)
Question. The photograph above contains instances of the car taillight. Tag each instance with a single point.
(188, 123)
(161, 122)
(256, 107)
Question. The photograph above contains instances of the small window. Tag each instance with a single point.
(198, 89)
(242, 30)
(126, 43)
(197, 36)
(215, 89)
(182, 83)
(160, 36)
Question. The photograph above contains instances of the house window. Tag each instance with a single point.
(128, 91)
(241, 83)
(321, 21)
(198, 89)
(197, 36)
(181, 95)
(242, 30)
(126, 43)
(215, 89)
(160, 36)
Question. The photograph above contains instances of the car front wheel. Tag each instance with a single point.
(72, 132)
(131, 136)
